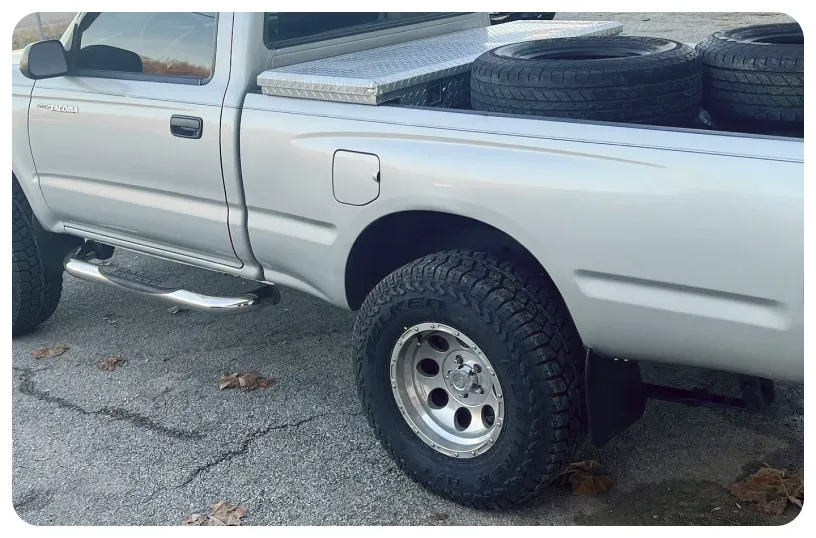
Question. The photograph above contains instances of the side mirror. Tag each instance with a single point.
(44, 59)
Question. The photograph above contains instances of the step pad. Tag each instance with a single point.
(138, 281)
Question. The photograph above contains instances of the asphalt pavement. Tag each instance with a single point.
(155, 439)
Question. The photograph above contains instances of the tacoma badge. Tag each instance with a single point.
(59, 108)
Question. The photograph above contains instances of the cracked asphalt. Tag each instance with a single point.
(155, 440)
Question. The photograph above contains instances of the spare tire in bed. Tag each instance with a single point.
(611, 78)
(755, 74)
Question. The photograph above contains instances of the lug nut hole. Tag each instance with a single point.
(438, 398)
(438, 343)
(462, 418)
(428, 367)
(488, 416)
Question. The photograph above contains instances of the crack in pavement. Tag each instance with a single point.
(34, 500)
(249, 439)
(28, 388)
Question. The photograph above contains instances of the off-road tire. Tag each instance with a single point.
(658, 83)
(35, 292)
(514, 315)
(748, 80)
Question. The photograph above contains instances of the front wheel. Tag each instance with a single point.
(35, 292)
(469, 370)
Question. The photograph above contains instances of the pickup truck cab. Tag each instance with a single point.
(500, 263)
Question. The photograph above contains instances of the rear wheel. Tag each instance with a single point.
(35, 292)
(469, 370)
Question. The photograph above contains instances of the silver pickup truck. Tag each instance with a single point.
(509, 270)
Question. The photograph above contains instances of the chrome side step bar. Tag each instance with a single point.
(148, 285)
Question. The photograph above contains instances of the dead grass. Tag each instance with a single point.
(24, 36)
(174, 68)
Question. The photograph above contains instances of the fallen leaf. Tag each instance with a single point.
(227, 513)
(771, 489)
(110, 319)
(439, 516)
(585, 478)
(228, 382)
(49, 352)
(221, 514)
(717, 508)
(246, 381)
(110, 363)
(176, 309)
(195, 520)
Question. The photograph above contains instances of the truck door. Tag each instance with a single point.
(127, 147)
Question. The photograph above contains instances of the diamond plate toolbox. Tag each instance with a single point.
(434, 71)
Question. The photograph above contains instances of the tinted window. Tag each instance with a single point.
(301, 27)
(165, 44)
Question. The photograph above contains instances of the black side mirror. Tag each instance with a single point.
(44, 59)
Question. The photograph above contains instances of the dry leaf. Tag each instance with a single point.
(176, 309)
(49, 352)
(221, 514)
(228, 382)
(195, 520)
(439, 516)
(246, 381)
(585, 478)
(224, 513)
(771, 489)
(110, 363)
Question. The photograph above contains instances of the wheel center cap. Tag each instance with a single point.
(463, 378)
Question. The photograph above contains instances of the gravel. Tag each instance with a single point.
(683, 27)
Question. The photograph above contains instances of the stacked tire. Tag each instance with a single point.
(754, 77)
(623, 79)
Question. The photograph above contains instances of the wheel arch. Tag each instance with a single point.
(53, 246)
(395, 239)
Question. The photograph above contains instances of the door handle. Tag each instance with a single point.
(186, 126)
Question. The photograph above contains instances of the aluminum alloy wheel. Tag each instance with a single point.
(447, 390)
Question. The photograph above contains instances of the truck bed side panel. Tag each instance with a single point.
(674, 246)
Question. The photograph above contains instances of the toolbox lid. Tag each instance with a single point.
(372, 76)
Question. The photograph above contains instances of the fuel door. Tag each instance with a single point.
(355, 177)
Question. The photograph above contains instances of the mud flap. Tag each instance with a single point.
(615, 396)
(54, 247)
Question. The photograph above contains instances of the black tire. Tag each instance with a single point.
(755, 74)
(499, 18)
(615, 78)
(517, 317)
(533, 16)
(35, 292)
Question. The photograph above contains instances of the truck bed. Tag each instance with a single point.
(394, 72)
